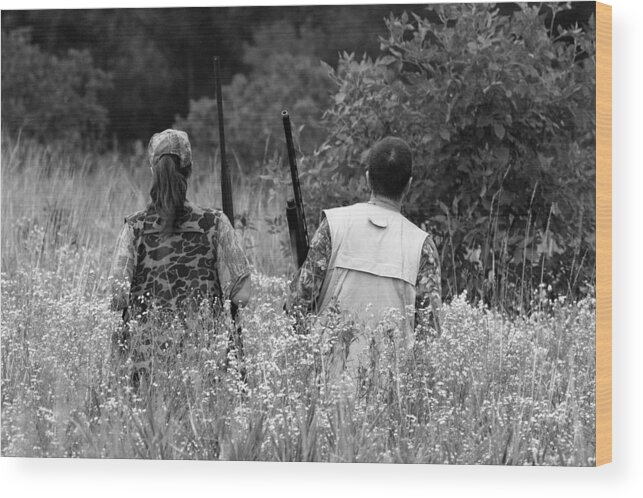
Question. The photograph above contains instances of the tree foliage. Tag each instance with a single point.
(50, 97)
(281, 77)
(161, 58)
(500, 113)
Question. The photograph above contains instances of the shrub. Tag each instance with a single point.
(500, 115)
(50, 97)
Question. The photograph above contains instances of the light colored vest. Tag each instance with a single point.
(374, 263)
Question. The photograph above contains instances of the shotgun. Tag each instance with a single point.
(226, 184)
(295, 207)
(228, 210)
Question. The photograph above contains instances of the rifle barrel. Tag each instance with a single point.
(292, 160)
(295, 208)
(226, 184)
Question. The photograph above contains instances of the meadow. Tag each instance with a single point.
(491, 389)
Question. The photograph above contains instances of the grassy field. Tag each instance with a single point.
(491, 389)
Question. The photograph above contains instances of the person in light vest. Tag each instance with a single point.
(367, 260)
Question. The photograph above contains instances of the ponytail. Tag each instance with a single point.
(168, 192)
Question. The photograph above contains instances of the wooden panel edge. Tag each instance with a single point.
(603, 233)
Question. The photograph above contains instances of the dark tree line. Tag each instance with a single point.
(161, 59)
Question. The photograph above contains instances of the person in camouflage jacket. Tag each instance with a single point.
(174, 255)
(202, 259)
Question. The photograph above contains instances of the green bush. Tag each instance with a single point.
(500, 114)
(49, 97)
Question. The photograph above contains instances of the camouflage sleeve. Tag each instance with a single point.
(233, 266)
(122, 269)
(428, 301)
(307, 284)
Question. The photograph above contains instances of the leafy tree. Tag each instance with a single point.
(500, 113)
(50, 97)
(282, 76)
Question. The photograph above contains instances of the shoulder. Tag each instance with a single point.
(137, 217)
(323, 231)
(429, 249)
(342, 211)
(418, 238)
(419, 232)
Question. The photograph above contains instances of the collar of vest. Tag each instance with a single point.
(385, 203)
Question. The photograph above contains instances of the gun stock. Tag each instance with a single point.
(295, 207)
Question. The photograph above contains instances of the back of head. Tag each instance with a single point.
(170, 157)
(390, 162)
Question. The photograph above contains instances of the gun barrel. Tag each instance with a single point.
(295, 210)
(292, 158)
(226, 183)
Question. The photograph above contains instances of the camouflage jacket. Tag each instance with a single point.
(201, 260)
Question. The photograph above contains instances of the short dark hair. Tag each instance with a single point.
(390, 163)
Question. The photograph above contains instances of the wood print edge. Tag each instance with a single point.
(603, 233)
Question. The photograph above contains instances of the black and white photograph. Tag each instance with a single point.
(332, 234)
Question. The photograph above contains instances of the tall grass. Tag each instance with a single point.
(81, 199)
(490, 389)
